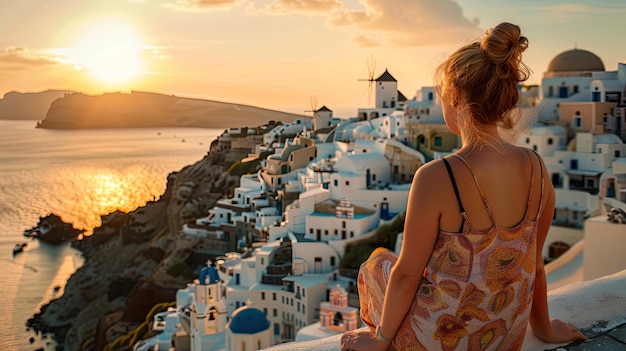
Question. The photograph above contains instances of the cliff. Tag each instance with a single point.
(28, 106)
(136, 260)
(143, 109)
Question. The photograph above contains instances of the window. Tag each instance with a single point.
(347, 182)
(596, 96)
(265, 311)
(310, 230)
(438, 141)
(332, 260)
(262, 295)
(550, 141)
(274, 312)
(276, 329)
(262, 261)
(527, 140)
(578, 122)
(274, 296)
(617, 153)
(303, 292)
(336, 182)
(303, 309)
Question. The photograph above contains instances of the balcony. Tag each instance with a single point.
(272, 279)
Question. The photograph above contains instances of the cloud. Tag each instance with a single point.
(201, 5)
(408, 22)
(364, 41)
(310, 7)
(20, 57)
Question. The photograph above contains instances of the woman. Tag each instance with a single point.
(470, 274)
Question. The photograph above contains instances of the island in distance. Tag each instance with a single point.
(141, 110)
(28, 106)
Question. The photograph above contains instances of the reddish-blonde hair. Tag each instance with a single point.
(485, 76)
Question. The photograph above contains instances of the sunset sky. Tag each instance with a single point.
(276, 54)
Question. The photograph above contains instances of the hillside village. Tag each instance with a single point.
(325, 186)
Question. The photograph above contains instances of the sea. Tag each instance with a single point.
(79, 175)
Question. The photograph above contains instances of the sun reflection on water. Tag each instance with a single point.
(100, 191)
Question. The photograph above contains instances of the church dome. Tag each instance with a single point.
(576, 60)
(248, 320)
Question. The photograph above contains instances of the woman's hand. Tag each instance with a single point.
(561, 333)
(362, 339)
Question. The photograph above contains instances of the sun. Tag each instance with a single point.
(110, 52)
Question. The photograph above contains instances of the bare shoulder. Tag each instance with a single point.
(431, 170)
(428, 177)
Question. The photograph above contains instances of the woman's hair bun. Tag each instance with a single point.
(503, 43)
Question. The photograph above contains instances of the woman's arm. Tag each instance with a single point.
(421, 226)
(553, 331)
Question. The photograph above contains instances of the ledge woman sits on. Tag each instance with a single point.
(470, 274)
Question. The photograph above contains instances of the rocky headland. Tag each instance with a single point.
(146, 110)
(137, 260)
(28, 106)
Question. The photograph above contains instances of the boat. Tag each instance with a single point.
(18, 248)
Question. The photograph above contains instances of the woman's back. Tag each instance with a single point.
(478, 286)
(505, 180)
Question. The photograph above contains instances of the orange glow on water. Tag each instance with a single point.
(100, 191)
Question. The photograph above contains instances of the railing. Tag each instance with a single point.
(272, 279)
(284, 270)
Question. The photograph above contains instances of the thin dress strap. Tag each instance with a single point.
(480, 190)
(456, 192)
(531, 184)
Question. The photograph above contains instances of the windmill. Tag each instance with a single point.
(371, 69)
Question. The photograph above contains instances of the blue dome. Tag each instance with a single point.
(248, 321)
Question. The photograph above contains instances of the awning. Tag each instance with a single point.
(583, 172)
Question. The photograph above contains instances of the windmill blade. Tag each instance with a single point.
(312, 104)
(371, 70)
(371, 67)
